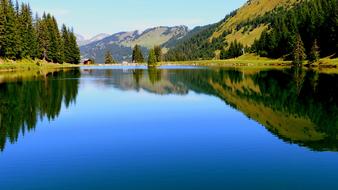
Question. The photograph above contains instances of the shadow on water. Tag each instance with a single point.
(25, 100)
(298, 106)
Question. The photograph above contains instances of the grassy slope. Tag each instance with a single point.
(246, 38)
(26, 65)
(252, 9)
(152, 38)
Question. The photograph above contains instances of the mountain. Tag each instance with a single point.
(205, 42)
(81, 40)
(268, 28)
(238, 23)
(121, 44)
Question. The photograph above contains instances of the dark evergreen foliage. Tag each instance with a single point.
(158, 53)
(299, 54)
(236, 49)
(8, 30)
(137, 55)
(314, 20)
(314, 53)
(152, 59)
(108, 58)
(21, 36)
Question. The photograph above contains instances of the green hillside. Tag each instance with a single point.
(250, 11)
(269, 28)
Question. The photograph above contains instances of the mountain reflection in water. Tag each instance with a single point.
(298, 106)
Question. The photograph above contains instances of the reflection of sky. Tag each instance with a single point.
(114, 138)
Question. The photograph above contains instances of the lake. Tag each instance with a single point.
(169, 128)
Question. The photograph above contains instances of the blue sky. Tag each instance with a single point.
(90, 17)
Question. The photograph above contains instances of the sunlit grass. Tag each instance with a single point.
(245, 60)
(28, 64)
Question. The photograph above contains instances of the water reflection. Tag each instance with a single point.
(298, 106)
(25, 100)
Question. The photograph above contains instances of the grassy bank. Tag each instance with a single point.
(27, 65)
(245, 60)
(253, 60)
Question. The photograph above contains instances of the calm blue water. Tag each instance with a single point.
(169, 128)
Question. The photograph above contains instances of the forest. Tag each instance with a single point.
(306, 30)
(24, 36)
(313, 24)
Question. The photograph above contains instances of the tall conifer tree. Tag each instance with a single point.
(75, 50)
(27, 33)
(137, 55)
(9, 35)
(299, 54)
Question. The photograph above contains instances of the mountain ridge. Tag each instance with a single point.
(81, 40)
(120, 44)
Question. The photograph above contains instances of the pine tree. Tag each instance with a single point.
(54, 52)
(9, 37)
(23, 37)
(137, 55)
(2, 28)
(27, 33)
(223, 54)
(314, 53)
(299, 51)
(66, 44)
(42, 37)
(74, 48)
(152, 58)
(158, 53)
(109, 58)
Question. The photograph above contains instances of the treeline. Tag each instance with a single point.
(312, 24)
(21, 36)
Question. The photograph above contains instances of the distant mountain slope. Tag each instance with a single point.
(195, 45)
(121, 44)
(157, 36)
(173, 42)
(81, 40)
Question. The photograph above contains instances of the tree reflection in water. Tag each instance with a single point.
(23, 102)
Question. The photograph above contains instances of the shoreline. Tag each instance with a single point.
(244, 61)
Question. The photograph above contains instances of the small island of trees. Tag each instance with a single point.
(155, 55)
